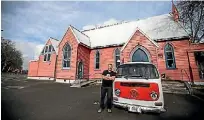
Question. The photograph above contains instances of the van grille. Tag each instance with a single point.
(127, 84)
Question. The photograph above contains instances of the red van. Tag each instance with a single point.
(138, 88)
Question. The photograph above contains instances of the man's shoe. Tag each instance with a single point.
(100, 110)
(109, 111)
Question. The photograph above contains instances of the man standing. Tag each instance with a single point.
(107, 82)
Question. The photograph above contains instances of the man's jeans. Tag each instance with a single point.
(108, 91)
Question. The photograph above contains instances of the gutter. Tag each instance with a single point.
(113, 45)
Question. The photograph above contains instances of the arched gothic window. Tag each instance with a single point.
(66, 56)
(169, 56)
(97, 59)
(117, 57)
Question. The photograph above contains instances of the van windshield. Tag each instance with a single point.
(137, 71)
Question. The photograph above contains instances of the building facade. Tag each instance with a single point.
(160, 40)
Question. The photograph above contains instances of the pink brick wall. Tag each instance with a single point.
(41, 68)
(138, 39)
(32, 68)
(106, 57)
(46, 68)
(192, 49)
(67, 73)
(84, 56)
(82, 53)
(157, 56)
(181, 59)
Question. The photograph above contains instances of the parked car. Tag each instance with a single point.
(138, 88)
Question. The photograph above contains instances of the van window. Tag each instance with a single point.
(137, 71)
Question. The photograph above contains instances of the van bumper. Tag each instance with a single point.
(142, 108)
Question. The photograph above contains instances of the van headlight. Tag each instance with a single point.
(154, 95)
(117, 92)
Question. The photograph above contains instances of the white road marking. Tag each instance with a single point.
(14, 87)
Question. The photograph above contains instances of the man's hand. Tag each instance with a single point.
(108, 78)
(112, 78)
(105, 77)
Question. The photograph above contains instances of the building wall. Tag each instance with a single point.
(68, 74)
(139, 40)
(106, 57)
(46, 68)
(157, 56)
(32, 68)
(84, 56)
(87, 56)
(193, 48)
(181, 72)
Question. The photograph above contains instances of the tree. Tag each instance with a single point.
(191, 14)
(11, 58)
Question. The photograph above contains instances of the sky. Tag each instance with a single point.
(30, 23)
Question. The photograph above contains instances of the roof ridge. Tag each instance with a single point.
(119, 23)
(104, 26)
(54, 39)
(79, 31)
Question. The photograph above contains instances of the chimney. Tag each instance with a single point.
(175, 12)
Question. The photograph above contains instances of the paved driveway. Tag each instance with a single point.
(44, 100)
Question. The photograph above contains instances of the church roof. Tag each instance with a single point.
(81, 37)
(161, 27)
(157, 28)
(55, 43)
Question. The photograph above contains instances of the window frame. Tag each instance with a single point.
(173, 57)
(68, 57)
(115, 62)
(128, 67)
(143, 49)
(46, 53)
(97, 51)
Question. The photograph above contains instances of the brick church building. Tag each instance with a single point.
(84, 55)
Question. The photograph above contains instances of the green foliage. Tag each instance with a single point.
(11, 58)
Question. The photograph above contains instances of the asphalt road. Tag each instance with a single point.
(44, 100)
